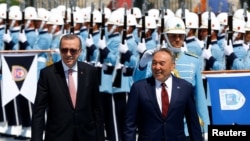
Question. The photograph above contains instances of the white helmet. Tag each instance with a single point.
(154, 13)
(107, 12)
(131, 21)
(150, 23)
(205, 15)
(14, 7)
(2, 13)
(223, 18)
(30, 13)
(61, 9)
(192, 20)
(3, 6)
(43, 14)
(239, 25)
(15, 15)
(215, 24)
(136, 12)
(115, 18)
(174, 25)
(178, 13)
(239, 14)
(97, 17)
(166, 17)
(55, 19)
(78, 17)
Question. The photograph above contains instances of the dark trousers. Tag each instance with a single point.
(114, 114)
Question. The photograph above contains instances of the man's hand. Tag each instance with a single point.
(6, 37)
(228, 49)
(141, 47)
(22, 37)
(89, 41)
(206, 53)
(123, 48)
(102, 43)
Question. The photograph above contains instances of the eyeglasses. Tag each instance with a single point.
(72, 51)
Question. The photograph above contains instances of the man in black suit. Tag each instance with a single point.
(67, 119)
(145, 110)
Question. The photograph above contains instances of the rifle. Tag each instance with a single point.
(71, 17)
(229, 32)
(183, 14)
(88, 55)
(118, 75)
(23, 17)
(21, 46)
(143, 34)
(65, 18)
(199, 20)
(7, 16)
(208, 41)
(98, 59)
(103, 22)
(209, 29)
(162, 26)
(91, 19)
(245, 12)
(230, 25)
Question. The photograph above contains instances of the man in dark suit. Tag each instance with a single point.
(68, 119)
(145, 108)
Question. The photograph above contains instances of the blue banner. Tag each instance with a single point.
(230, 99)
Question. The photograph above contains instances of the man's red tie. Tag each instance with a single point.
(72, 88)
(164, 100)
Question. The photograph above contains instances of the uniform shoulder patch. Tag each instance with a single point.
(191, 54)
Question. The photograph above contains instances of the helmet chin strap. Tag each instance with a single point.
(112, 29)
(169, 45)
(53, 29)
(12, 24)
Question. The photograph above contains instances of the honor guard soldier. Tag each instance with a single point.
(93, 38)
(109, 54)
(223, 19)
(55, 25)
(194, 45)
(11, 37)
(212, 53)
(29, 36)
(44, 39)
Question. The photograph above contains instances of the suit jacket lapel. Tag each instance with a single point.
(60, 74)
(150, 90)
(82, 82)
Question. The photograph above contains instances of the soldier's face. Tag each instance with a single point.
(176, 40)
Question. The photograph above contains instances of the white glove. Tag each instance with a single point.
(200, 42)
(89, 41)
(141, 47)
(146, 57)
(246, 46)
(22, 37)
(102, 43)
(228, 49)
(123, 48)
(206, 53)
(6, 37)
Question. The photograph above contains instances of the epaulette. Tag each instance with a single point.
(191, 54)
